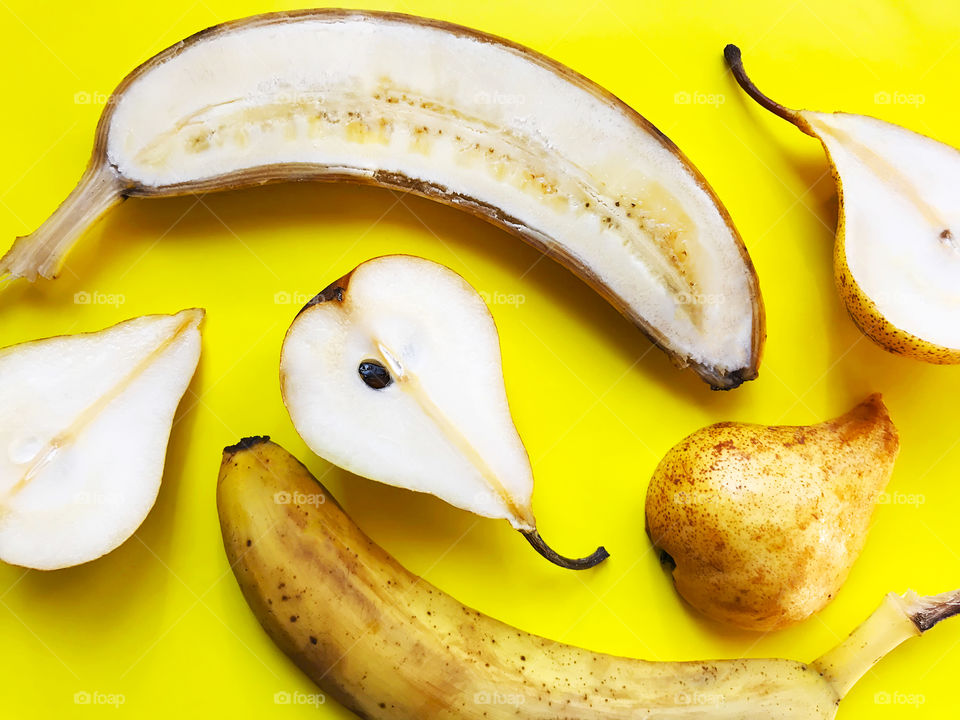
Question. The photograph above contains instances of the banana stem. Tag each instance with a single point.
(898, 619)
(42, 251)
(925, 612)
(584, 563)
(735, 61)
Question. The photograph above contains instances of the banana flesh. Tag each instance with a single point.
(449, 113)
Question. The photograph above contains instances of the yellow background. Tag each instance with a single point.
(161, 620)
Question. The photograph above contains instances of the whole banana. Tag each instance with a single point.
(388, 645)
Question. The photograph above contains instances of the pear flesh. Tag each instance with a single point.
(763, 523)
(449, 113)
(394, 373)
(897, 257)
(84, 424)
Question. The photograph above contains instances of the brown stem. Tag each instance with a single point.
(925, 612)
(735, 61)
(584, 563)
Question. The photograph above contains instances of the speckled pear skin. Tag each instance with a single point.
(764, 522)
(867, 316)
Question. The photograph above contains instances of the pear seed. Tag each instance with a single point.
(374, 374)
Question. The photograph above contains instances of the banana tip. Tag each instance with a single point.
(246, 443)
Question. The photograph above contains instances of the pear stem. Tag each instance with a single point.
(584, 563)
(735, 61)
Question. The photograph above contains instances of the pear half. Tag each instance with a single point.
(897, 256)
(393, 372)
(443, 111)
(84, 424)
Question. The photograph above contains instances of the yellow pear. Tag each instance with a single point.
(763, 523)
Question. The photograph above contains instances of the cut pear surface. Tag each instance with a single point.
(449, 113)
(84, 424)
(898, 240)
(394, 373)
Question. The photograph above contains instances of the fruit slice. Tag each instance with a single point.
(84, 424)
(390, 646)
(443, 111)
(897, 257)
(393, 372)
(762, 524)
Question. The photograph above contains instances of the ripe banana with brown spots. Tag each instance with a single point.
(390, 646)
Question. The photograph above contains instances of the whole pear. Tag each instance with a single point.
(764, 522)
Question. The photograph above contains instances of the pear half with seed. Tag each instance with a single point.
(393, 372)
(84, 424)
(443, 111)
(897, 256)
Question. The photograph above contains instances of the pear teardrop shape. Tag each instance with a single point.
(431, 412)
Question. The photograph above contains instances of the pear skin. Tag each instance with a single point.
(871, 322)
(764, 522)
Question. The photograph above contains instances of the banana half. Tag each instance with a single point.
(449, 113)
